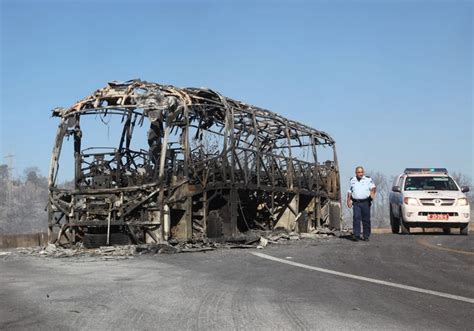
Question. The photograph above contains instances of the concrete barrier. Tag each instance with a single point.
(23, 240)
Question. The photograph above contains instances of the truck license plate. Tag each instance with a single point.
(438, 217)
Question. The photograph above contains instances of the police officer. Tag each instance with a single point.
(359, 197)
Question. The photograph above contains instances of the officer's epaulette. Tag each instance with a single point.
(367, 176)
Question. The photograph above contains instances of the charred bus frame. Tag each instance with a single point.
(213, 167)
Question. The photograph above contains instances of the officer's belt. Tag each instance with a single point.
(361, 200)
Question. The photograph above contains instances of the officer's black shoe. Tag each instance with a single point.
(354, 238)
(365, 239)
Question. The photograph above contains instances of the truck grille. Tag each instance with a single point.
(431, 202)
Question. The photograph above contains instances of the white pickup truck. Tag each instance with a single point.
(428, 197)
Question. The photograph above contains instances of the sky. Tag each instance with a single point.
(390, 81)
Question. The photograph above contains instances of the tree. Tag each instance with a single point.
(380, 205)
(22, 204)
(465, 180)
(3, 172)
(462, 179)
(3, 184)
(33, 176)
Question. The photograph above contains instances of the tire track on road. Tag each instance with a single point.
(208, 312)
(424, 242)
(293, 317)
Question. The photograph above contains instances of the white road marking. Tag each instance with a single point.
(366, 279)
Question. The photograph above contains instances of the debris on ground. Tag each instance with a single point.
(254, 239)
(262, 243)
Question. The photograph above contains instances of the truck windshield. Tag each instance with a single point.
(423, 183)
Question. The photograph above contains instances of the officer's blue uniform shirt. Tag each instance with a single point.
(360, 189)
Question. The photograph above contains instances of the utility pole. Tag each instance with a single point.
(9, 159)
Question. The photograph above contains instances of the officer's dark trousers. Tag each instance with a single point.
(361, 213)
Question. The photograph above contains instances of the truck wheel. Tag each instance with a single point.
(405, 229)
(394, 222)
(446, 230)
(465, 229)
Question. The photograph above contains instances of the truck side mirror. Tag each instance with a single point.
(396, 189)
(465, 189)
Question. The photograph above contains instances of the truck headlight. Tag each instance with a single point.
(410, 201)
(462, 202)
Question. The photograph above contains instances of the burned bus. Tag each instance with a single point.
(185, 164)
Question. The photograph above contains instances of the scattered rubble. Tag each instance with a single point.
(262, 243)
(254, 239)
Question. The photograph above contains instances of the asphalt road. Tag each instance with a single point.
(237, 290)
